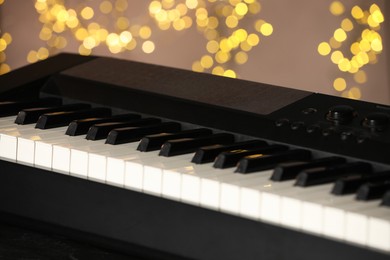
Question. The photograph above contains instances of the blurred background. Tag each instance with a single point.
(333, 47)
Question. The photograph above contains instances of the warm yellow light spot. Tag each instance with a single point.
(355, 49)
(145, 32)
(344, 65)
(357, 12)
(121, 5)
(87, 13)
(241, 34)
(81, 33)
(249, 1)
(234, 42)
(225, 46)
(339, 84)
(101, 34)
(354, 66)
(222, 57)
(182, 9)
(376, 45)
(323, 48)
(192, 4)
(187, 21)
(168, 4)
(212, 46)
(60, 42)
(43, 53)
(254, 8)
(131, 45)
(266, 29)
(1, 2)
(334, 44)
(3, 44)
(241, 9)
(218, 70)
(362, 58)
(378, 17)
(360, 77)
(229, 74)
(354, 93)
(371, 22)
(340, 35)
(241, 57)
(336, 57)
(89, 42)
(112, 39)
(372, 57)
(105, 7)
(58, 27)
(365, 45)
(4, 68)
(211, 34)
(62, 16)
(84, 51)
(231, 21)
(245, 46)
(155, 7)
(336, 8)
(253, 39)
(179, 24)
(32, 57)
(122, 23)
(197, 67)
(72, 22)
(148, 47)
(213, 22)
(206, 61)
(347, 25)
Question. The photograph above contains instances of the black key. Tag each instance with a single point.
(290, 170)
(260, 162)
(154, 142)
(209, 153)
(321, 175)
(371, 191)
(57, 119)
(386, 199)
(81, 127)
(31, 115)
(231, 158)
(132, 134)
(350, 184)
(101, 131)
(10, 108)
(189, 145)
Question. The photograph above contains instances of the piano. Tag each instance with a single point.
(207, 167)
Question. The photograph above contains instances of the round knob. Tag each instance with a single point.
(376, 121)
(341, 114)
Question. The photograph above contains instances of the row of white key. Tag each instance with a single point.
(253, 196)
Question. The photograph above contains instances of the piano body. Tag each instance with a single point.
(262, 219)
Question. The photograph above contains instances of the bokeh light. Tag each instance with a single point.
(364, 50)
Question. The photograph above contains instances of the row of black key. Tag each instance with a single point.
(247, 156)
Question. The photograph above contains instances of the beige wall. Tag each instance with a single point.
(288, 57)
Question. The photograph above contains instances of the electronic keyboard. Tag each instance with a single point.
(167, 163)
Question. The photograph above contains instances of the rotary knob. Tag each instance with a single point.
(376, 121)
(341, 114)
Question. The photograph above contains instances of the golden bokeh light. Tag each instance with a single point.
(362, 51)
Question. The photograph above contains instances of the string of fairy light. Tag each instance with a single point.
(364, 50)
(231, 29)
(221, 23)
(5, 41)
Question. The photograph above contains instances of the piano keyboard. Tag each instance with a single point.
(238, 180)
